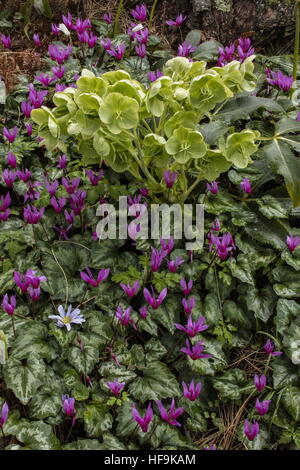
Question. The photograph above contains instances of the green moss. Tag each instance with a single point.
(223, 5)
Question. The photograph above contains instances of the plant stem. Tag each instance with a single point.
(3, 435)
(191, 188)
(152, 14)
(116, 25)
(13, 324)
(297, 39)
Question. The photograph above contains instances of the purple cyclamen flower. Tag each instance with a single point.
(298, 117)
(6, 41)
(28, 129)
(59, 87)
(140, 12)
(107, 17)
(216, 226)
(36, 97)
(94, 177)
(51, 187)
(11, 160)
(193, 328)
(152, 301)
(106, 44)
(69, 217)
(33, 279)
(62, 162)
(118, 52)
(58, 204)
(211, 447)
(224, 245)
(32, 215)
(4, 215)
(26, 108)
(68, 21)
(171, 415)
(8, 177)
(34, 294)
(77, 201)
(186, 287)
(146, 420)
(196, 351)
(10, 134)
(82, 25)
(59, 55)
(21, 281)
(144, 192)
(269, 347)
(68, 404)
(63, 231)
(131, 290)
(91, 40)
(36, 40)
(70, 186)
(115, 387)
(168, 245)
(5, 202)
(66, 318)
(153, 76)
(226, 55)
(213, 187)
(262, 407)
(246, 186)
(135, 200)
(170, 177)
(141, 51)
(191, 392)
(9, 305)
(245, 49)
(173, 265)
(55, 29)
(178, 22)
(157, 257)
(185, 49)
(31, 192)
(124, 316)
(44, 79)
(284, 82)
(58, 71)
(143, 311)
(260, 382)
(142, 36)
(24, 175)
(292, 242)
(4, 414)
(89, 278)
(188, 304)
(251, 430)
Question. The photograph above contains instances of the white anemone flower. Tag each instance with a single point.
(66, 318)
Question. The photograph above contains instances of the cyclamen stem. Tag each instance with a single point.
(116, 25)
(297, 39)
(13, 325)
(152, 14)
(191, 188)
(3, 435)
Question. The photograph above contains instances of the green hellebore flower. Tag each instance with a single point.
(240, 146)
(187, 119)
(154, 150)
(119, 112)
(212, 165)
(207, 90)
(159, 92)
(185, 144)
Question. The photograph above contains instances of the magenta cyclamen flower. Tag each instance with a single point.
(142, 36)
(59, 55)
(157, 257)
(5, 202)
(32, 215)
(284, 82)
(193, 328)
(168, 245)
(58, 204)
(55, 29)
(173, 265)
(224, 245)
(292, 242)
(26, 108)
(21, 281)
(69, 407)
(118, 52)
(141, 51)
(4, 414)
(188, 304)
(131, 290)
(77, 201)
(215, 226)
(8, 177)
(107, 17)
(82, 25)
(245, 49)
(146, 420)
(6, 41)
(246, 186)
(262, 407)
(94, 177)
(36, 97)
(58, 71)
(70, 186)
(178, 22)
(153, 76)
(260, 382)
(62, 162)
(143, 311)
(89, 278)
(152, 301)
(125, 316)
(196, 351)
(298, 117)
(106, 44)
(51, 187)
(185, 49)
(213, 187)
(170, 178)
(191, 392)
(28, 129)
(24, 175)
(226, 55)
(139, 13)
(68, 21)
(211, 447)
(251, 430)
(69, 217)
(10, 134)
(269, 347)
(33, 279)
(186, 287)
(36, 40)
(115, 387)
(34, 294)
(9, 305)
(44, 79)
(171, 415)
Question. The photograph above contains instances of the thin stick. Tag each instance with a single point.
(297, 39)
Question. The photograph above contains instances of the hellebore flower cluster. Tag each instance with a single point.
(67, 318)
(143, 421)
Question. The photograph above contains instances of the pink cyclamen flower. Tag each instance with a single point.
(33, 279)
(21, 281)
(68, 21)
(77, 201)
(4, 414)
(139, 13)
(186, 286)
(141, 51)
(44, 79)
(168, 245)
(260, 382)
(82, 25)
(143, 311)
(191, 391)
(69, 217)
(262, 407)
(155, 302)
(58, 71)
(143, 421)
(153, 76)
(36, 40)
(246, 186)
(8, 177)
(55, 29)
(215, 226)
(125, 316)
(224, 245)
(193, 328)
(10, 134)
(115, 387)
(173, 265)
(269, 347)
(36, 97)
(5, 202)
(9, 305)
(251, 430)
(196, 351)
(24, 175)
(62, 162)
(226, 55)
(34, 293)
(292, 242)
(58, 204)
(28, 129)
(68, 404)
(117, 52)
(211, 447)
(32, 215)
(142, 36)
(59, 54)
(89, 278)
(185, 49)
(157, 257)
(171, 415)
(298, 117)
(94, 177)
(6, 41)
(106, 44)
(72, 185)
(170, 178)
(51, 187)
(284, 82)
(213, 187)
(131, 290)
(11, 160)
(178, 22)
(245, 48)
(26, 108)
(107, 17)
(188, 304)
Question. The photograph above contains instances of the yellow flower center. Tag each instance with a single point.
(66, 320)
